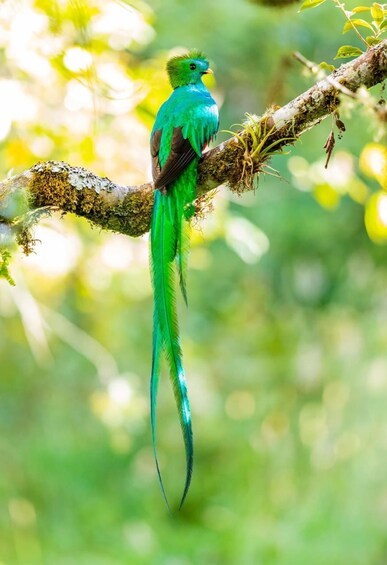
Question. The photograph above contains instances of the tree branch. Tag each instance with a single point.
(127, 209)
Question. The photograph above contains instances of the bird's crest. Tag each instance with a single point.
(173, 62)
(180, 70)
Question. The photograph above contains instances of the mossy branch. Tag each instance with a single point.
(127, 209)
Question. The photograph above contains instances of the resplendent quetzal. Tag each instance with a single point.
(184, 125)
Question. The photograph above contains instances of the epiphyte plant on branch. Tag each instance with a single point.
(184, 125)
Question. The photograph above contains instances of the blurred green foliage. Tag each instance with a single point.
(285, 339)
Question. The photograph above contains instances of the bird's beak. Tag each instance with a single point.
(208, 72)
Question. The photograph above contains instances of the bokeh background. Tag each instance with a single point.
(285, 339)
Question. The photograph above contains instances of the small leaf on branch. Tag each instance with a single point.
(359, 9)
(357, 23)
(371, 40)
(310, 4)
(5, 257)
(329, 145)
(339, 123)
(346, 51)
(383, 25)
(377, 12)
(327, 67)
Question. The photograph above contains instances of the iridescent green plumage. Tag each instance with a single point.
(185, 123)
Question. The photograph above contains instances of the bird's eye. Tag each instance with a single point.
(192, 66)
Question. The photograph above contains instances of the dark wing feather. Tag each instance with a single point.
(180, 156)
(155, 147)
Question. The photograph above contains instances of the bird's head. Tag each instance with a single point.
(187, 69)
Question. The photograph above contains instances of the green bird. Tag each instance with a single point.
(184, 125)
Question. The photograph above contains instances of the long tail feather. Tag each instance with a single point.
(184, 237)
(156, 354)
(163, 251)
(183, 196)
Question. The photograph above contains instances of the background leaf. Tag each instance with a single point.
(348, 51)
(359, 9)
(357, 23)
(377, 12)
(310, 4)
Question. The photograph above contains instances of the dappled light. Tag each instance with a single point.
(284, 340)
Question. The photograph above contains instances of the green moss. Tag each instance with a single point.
(5, 257)
(50, 186)
(137, 212)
